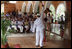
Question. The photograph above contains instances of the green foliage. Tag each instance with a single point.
(2, 13)
(4, 33)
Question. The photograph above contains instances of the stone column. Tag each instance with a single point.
(67, 33)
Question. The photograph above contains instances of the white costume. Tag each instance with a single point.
(39, 25)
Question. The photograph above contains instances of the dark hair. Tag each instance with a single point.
(38, 16)
(48, 9)
(45, 19)
(55, 20)
(32, 13)
(49, 14)
(25, 13)
(61, 15)
(35, 13)
(45, 11)
(20, 9)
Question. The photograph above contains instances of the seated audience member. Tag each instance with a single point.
(31, 24)
(7, 14)
(20, 21)
(23, 20)
(31, 15)
(25, 14)
(19, 13)
(26, 25)
(12, 25)
(14, 13)
(10, 14)
(19, 25)
(13, 22)
(35, 17)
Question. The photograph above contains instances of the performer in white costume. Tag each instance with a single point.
(39, 26)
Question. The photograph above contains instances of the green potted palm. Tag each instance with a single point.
(4, 33)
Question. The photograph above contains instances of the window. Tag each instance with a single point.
(24, 7)
(60, 10)
(52, 8)
(12, 1)
(29, 6)
(36, 5)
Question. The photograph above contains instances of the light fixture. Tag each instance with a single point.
(12, 1)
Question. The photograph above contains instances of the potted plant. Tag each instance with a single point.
(4, 33)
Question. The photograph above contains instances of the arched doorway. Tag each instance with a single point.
(52, 8)
(36, 7)
(23, 8)
(47, 4)
(50, 26)
(55, 28)
(29, 7)
(60, 11)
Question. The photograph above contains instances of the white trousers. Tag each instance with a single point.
(13, 26)
(39, 35)
(21, 28)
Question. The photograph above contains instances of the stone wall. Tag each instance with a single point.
(9, 7)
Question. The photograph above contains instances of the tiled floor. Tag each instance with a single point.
(29, 42)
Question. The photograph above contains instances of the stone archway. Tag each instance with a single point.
(52, 8)
(23, 8)
(47, 4)
(61, 9)
(36, 5)
(29, 7)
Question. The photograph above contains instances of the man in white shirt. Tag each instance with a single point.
(39, 26)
